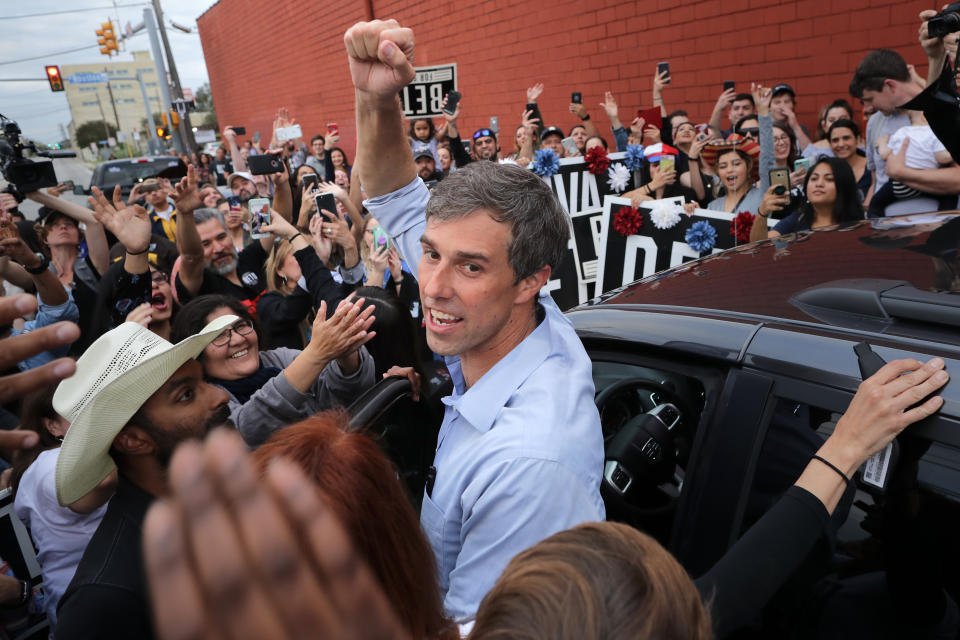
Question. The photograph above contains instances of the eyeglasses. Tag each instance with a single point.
(750, 131)
(159, 277)
(241, 327)
(482, 133)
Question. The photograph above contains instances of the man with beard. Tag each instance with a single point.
(133, 399)
(209, 262)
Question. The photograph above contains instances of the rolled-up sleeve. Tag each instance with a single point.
(402, 214)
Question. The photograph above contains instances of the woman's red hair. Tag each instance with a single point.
(361, 486)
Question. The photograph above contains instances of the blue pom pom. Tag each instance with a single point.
(701, 236)
(545, 163)
(634, 157)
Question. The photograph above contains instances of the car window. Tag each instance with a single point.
(894, 570)
(627, 395)
(128, 173)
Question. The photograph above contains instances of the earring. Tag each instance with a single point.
(283, 279)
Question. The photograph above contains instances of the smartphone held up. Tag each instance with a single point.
(259, 216)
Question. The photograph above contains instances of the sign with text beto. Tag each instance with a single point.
(423, 97)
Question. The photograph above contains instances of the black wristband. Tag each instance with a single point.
(585, 118)
(834, 467)
(294, 237)
(40, 268)
(138, 253)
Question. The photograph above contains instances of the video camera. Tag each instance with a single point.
(22, 174)
(945, 22)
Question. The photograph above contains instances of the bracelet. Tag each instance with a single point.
(834, 467)
(763, 215)
(294, 237)
(585, 118)
(138, 253)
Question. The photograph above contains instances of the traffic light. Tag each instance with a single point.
(174, 119)
(163, 133)
(166, 122)
(53, 75)
(107, 39)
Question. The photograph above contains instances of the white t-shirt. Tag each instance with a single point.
(923, 144)
(61, 536)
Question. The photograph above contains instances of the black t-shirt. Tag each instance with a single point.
(249, 270)
(221, 168)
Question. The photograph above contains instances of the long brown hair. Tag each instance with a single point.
(36, 409)
(361, 486)
(597, 581)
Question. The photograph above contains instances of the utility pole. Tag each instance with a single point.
(186, 129)
(167, 103)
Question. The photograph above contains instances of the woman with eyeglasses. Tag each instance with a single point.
(271, 389)
(778, 143)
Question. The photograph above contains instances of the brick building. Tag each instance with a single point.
(289, 53)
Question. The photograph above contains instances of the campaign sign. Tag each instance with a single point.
(581, 195)
(624, 259)
(563, 286)
(423, 97)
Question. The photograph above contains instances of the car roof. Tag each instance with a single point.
(896, 276)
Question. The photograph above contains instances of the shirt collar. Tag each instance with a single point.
(481, 404)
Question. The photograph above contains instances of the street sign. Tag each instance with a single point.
(423, 97)
(136, 136)
(205, 135)
(87, 78)
(111, 141)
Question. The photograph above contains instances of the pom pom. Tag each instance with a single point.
(627, 221)
(666, 215)
(545, 163)
(597, 160)
(618, 177)
(701, 236)
(634, 157)
(741, 226)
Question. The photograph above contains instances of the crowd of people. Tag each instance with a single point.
(251, 309)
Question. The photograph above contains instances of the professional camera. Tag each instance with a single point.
(22, 174)
(945, 22)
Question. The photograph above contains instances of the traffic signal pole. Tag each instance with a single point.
(148, 20)
(186, 129)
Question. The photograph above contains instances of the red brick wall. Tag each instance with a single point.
(291, 53)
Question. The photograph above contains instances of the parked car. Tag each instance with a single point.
(716, 382)
(130, 171)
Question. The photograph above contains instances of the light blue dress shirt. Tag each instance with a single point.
(46, 315)
(520, 453)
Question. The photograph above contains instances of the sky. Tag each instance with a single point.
(39, 111)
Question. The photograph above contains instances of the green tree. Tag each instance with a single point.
(94, 131)
(204, 100)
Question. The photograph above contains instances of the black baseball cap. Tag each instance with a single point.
(549, 131)
(484, 133)
(423, 152)
(783, 87)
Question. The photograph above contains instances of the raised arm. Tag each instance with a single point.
(189, 245)
(659, 81)
(239, 164)
(380, 54)
(97, 246)
(716, 117)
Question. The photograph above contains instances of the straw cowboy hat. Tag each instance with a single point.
(115, 376)
(714, 150)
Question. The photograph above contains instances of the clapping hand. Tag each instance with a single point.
(344, 332)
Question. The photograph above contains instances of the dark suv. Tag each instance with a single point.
(130, 171)
(746, 358)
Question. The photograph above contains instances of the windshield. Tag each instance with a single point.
(128, 173)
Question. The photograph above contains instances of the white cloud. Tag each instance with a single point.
(39, 111)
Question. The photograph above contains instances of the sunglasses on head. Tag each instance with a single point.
(482, 133)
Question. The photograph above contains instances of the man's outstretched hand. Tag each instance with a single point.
(381, 57)
(231, 555)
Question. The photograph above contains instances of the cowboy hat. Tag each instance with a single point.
(115, 376)
(736, 142)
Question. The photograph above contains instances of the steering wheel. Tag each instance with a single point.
(641, 472)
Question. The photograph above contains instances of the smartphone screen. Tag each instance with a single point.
(576, 97)
(239, 130)
(68, 185)
(664, 66)
(310, 179)
(234, 202)
(667, 163)
(570, 146)
(495, 124)
(259, 216)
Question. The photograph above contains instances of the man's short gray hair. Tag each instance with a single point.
(539, 227)
(207, 213)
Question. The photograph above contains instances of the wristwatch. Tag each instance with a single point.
(40, 268)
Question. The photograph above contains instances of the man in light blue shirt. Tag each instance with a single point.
(520, 452)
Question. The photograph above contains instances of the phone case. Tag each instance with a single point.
(668, 163)
(380, 238)
(326, 202)
(259, 215)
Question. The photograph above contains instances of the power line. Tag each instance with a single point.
(48, 55)
(57, 13)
